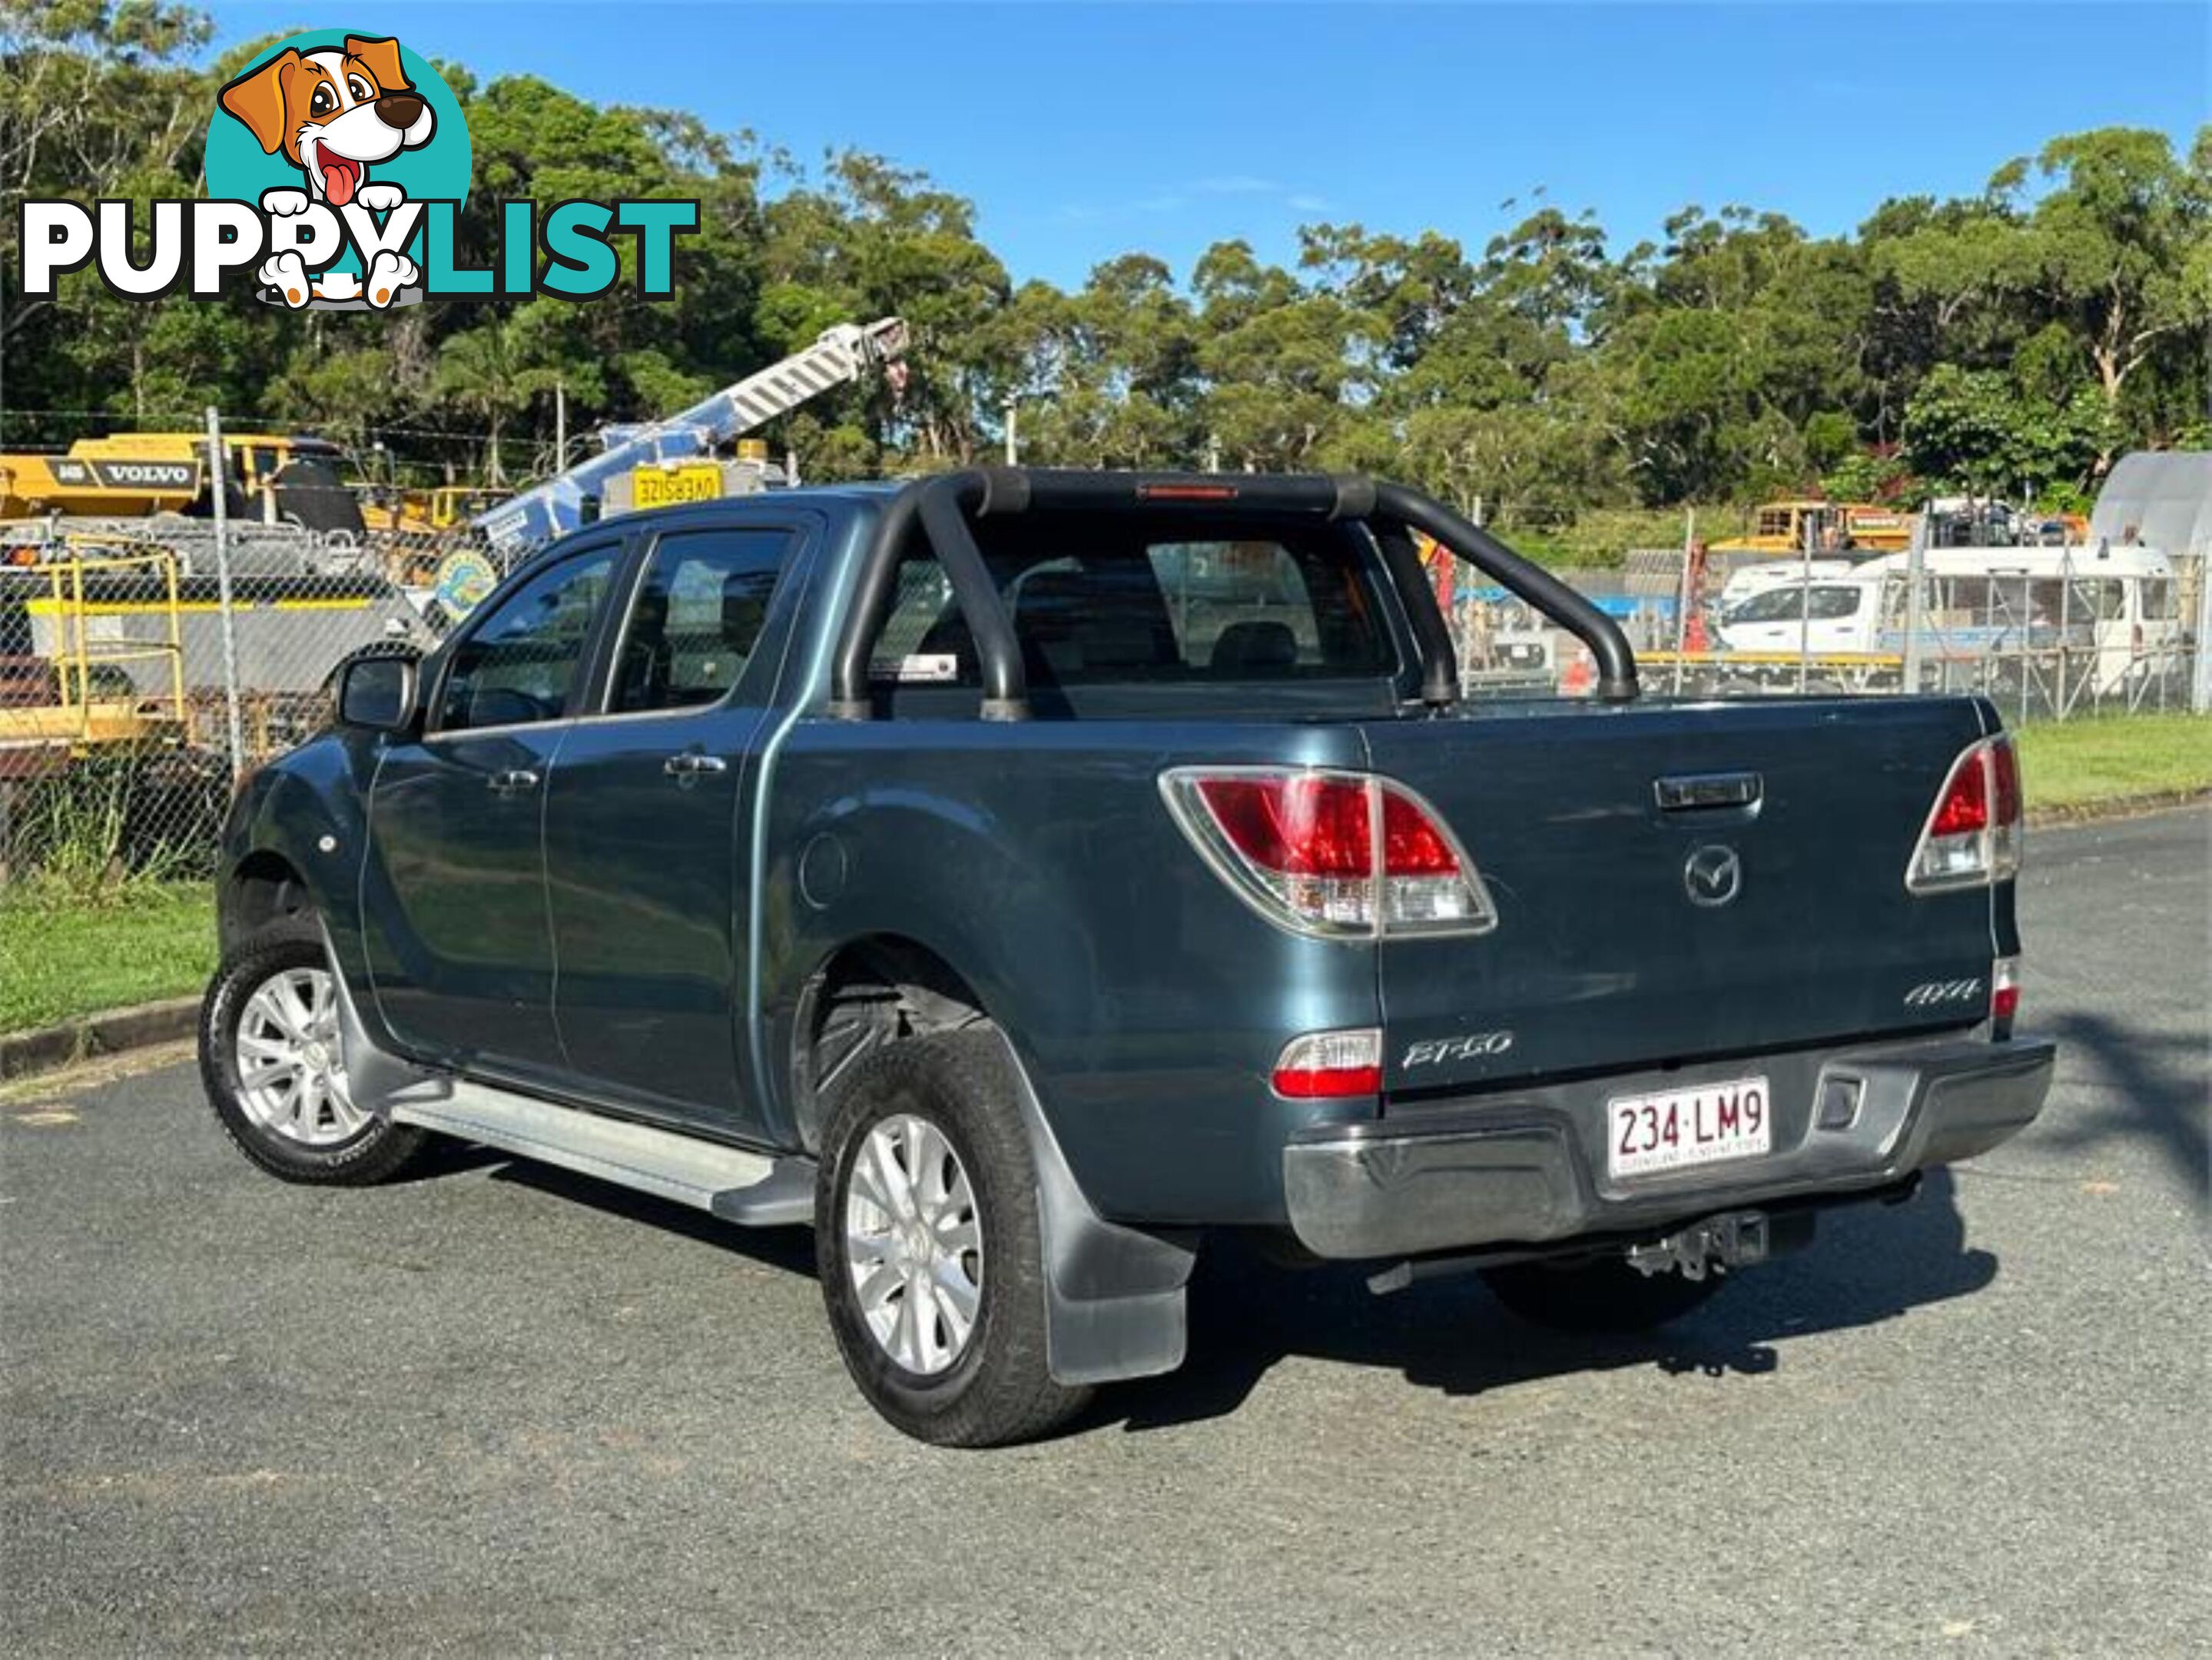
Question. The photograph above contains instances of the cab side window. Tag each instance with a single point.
(516, 667)
(700, 607)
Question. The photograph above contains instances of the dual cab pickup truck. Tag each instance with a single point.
(1019, 875)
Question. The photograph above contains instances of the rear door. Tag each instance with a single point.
(453, 888)
(1841, 617)
(1676, 883)
(647, 860)
(1767, 622)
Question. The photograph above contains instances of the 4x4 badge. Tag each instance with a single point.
(1712, 875)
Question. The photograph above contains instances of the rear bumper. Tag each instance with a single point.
(1530, 1167)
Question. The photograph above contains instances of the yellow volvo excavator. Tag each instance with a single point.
(273, 477)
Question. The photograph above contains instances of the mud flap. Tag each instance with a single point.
(1113, 1295)
(374, 1077)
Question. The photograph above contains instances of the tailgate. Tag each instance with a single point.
(1622, 941)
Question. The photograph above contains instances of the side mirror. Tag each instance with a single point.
(378, 693)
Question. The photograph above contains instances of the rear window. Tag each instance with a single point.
(1104, 602)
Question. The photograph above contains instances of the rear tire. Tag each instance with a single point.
(930, 1248)
(269, 1059)
(1606, 1295)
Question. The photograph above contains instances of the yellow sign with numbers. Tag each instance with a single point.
(664, 487)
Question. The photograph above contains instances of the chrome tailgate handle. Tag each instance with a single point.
(1701, 791)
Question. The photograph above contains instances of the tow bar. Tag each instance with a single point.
(1736, 1240)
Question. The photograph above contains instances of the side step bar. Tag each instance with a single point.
(749, 1188)
(752, 1190)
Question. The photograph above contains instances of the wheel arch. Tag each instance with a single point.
(1113, 1293)
(261, 888)
(869, 990)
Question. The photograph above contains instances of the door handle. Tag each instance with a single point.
(512, 780)
(692, 764)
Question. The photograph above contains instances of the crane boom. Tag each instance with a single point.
(555, 507)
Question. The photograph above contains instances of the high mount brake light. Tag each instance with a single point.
(1973, 836)
(1186, 492)
(1338, 854)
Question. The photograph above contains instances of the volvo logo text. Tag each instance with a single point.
(1936, 993)
(1712, 875)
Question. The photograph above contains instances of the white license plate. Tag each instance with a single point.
(1675, 1129)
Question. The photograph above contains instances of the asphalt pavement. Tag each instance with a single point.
(500, 1410)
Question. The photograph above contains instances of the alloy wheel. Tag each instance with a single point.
(291, 1072)
(913, 1243)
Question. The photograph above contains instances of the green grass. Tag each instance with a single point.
(2081, 762)
(62, 955)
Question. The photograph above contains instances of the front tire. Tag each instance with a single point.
(930, 1248)
(270, 1057)
(1605, 1295)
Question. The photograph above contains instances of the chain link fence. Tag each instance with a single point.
(144, 669)
(2047, 633)
(142, 672)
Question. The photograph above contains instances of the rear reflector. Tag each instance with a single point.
(1340, 855)
(1972, 836)
(1326, 1064)
(2005, 995)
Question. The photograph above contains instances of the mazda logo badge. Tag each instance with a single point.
(1713, 875)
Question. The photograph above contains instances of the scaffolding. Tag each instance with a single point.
(76, 694)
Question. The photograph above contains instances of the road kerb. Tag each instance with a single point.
(2115, 806)
(86, 1037)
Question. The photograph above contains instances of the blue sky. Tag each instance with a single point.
(1085, 130)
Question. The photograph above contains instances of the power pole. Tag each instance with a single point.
(1014, 446)
(560, 425)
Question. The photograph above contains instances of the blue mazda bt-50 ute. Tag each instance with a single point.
(1018, 876)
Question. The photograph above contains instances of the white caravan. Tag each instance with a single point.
(2123, 603)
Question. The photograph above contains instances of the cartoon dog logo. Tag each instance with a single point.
(333, 114)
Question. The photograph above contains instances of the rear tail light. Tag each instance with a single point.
(1323, 1065)
(2005, 995)
(1339, 854)
(1973, 836)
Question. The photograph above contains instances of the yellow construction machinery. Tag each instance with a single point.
(274, 477)
(1782, 527)
(394, 508)
(71, 680)
(82, 486)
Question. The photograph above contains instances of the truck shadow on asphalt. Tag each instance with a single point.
(1867, 1264)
